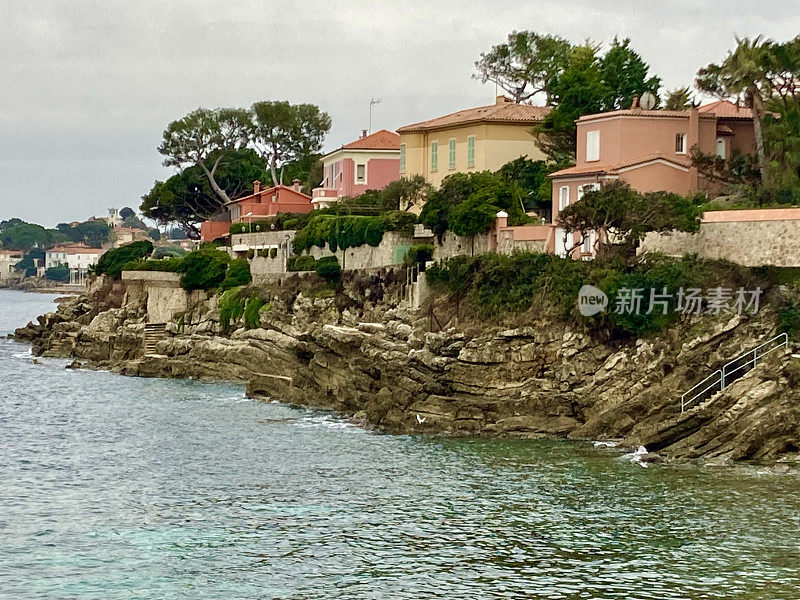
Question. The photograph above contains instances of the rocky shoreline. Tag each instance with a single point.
(373, 360)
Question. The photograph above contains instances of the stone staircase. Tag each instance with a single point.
(153, 333)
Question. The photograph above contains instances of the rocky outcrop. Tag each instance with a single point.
(379, 363)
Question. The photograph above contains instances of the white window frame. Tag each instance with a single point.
(682, 138)
(355, 174)
(593, 145)
(563, 197)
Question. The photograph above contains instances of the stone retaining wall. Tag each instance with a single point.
(748, 237)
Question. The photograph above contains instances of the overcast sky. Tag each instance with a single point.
(86, 87)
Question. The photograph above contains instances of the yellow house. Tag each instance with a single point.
(475, 139)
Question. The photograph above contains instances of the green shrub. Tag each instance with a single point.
(111, 262)
(204, 269)
(349, 231)
(251, 254)
(498, 284)
(273, 252)
(252, 311)
(238, 274)
(231, 308)
(57, 273)
(329, 269)
(419, 254)
(171, 265)
(789, 319)
(304, 262)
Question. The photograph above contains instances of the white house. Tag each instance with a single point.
(78, 257)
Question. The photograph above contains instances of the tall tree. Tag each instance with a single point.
(579, 90)
(679, 99)
(188, 198)
(525, 65)
(626, 75)
(746, 75)
(201, 139)
(283, 132)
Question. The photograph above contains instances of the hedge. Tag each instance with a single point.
(350, 231)
(112, 262)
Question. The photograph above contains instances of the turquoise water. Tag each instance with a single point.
(114, 487)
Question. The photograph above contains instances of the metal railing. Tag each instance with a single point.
(733, 370)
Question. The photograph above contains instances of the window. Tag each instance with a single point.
(452, 157)
(563, 197)
(361, 174)
(721, 148)
(680, 143)
(434, 156)
(402, 158)
(471, 151)
(582, 189)
(592, 146)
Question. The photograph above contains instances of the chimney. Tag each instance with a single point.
(256, 186)
(363, 134)
(501, 100)
(296, 185)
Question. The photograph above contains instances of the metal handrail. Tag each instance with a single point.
(717, 375)
(722, 377)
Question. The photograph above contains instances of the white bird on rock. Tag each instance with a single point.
(421, 420)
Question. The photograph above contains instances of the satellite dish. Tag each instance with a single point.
(648, 101)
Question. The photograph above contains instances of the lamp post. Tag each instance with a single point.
(250, 221)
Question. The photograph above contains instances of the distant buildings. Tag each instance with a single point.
(8, 262)
(370, 163)
(474, 139)
(77, 257)
(126, 235)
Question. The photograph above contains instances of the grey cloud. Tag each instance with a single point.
(87, 87)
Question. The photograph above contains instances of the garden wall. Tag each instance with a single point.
(769, 236)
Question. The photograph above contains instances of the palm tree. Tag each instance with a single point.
(745, 76)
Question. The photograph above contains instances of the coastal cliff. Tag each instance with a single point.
(362, 353)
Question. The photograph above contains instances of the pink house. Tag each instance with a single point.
(370, 163)
(650, 150)
(268, 202)
(261, 204)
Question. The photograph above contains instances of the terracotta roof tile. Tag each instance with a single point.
(726, 109)
(506, 112)
(613, 169)
(380, 140)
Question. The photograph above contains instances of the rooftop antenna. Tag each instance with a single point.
(372, 102)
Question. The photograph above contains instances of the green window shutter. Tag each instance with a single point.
(402, 158)
(452, 157)
(471, 151)
(434, 156)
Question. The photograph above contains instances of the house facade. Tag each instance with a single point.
(8, 260)
(127, 235)
(268, 202)
(370, 163)
(650, 150)
(78, 257)
(470, 140)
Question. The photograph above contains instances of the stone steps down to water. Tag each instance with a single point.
(379, 363)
